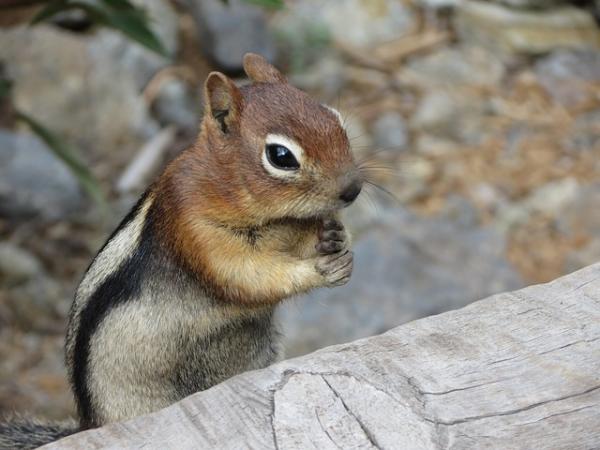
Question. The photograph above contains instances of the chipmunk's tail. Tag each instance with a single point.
(19, 433)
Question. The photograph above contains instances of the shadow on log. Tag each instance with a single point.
(518, 370)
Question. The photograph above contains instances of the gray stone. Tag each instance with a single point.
(390, 131)
(176, 104)
(427, 144)
(16, 265)
(37, 304)
(79, 86)
(454, 66)
(570, 77)
(436, 112)
(365, 24)
(325, 77)
(450, 114)
(33, 181)
(438, 4)
(230, 29)
(30, 299)
(405, 267)
(585, 134)
(512, 31)
(140, 62)
(588, 254)
(550, 200)
(581, 219)
(354, 22)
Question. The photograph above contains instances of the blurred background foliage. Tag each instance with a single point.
(481, 118)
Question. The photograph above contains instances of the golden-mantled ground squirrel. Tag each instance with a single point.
(182, 295)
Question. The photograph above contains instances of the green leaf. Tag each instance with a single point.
(5, 87)
(271, 4)
(121, 4)
(63, 151)
(52, 8)
(120, 15)
(134, 26)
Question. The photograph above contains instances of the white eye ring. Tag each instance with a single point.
(292, 146)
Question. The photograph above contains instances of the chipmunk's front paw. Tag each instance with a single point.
(335, 260)
(336, 268)
(332, 237)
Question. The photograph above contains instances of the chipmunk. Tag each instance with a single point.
(182, 295)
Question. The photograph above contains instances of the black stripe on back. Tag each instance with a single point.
(121, 286)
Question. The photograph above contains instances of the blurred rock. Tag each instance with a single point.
(176, 104)
(146, 162)
(360, 139)
(586, 133)
(405, 267)
(454, 66)
(33, 374)
(354, 22)
(581, 218)
(416, 174)
(553, 197)
(390, 131)
(450, 114)
(132, 58)
(365, 24)
(34, 182)
(326, 77)
(81, 87)
(570, 77)
(582, 213)
(513, 31)
(230, 29)
(427, 144)
(587, 255)
(460, 211)
(436, 112)
(550, 200)
(531, 4)
(29, 298)
(37, 304)
(438, 4)
(16, 265)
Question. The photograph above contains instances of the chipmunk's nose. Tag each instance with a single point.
(351, 191)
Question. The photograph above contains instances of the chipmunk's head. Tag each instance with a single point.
(283, 153)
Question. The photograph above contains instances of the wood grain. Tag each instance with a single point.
(518, 370)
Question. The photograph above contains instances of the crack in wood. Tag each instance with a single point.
(563, 413)
(512, 411)
(365, 429)
(466, 388)
(318, 416)
(569, 345)
(584, 284)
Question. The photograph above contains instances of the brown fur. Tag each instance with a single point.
(218, 191)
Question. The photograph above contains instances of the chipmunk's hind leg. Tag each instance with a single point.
(28, 434)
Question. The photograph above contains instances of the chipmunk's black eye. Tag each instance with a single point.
(281, 157)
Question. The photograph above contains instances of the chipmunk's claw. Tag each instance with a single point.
(335, 262)
(332, 237)
(336, 268)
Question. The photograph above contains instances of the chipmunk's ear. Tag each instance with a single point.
(259, 70)
(223, 101)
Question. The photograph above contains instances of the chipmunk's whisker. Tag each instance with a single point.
(382, 189)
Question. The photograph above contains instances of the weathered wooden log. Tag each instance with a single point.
(518, 370)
